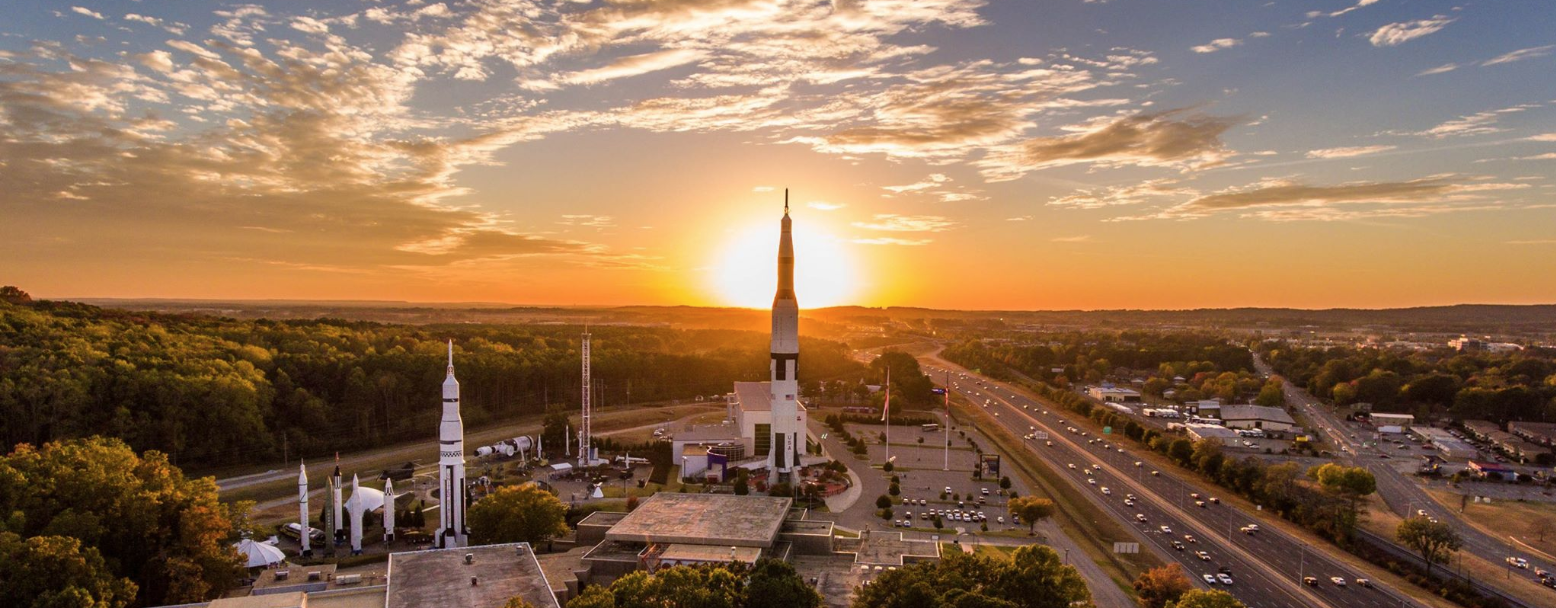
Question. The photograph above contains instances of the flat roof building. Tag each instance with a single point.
(471, 577)
(1543, 433)
(708, 519)
(1257, 417)
(1392, 423)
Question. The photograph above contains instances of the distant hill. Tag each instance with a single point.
(1461, 318)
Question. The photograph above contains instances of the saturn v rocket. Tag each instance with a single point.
(452, 531)
(784, 355)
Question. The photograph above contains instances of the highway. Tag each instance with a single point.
(1403, 495)
(1266, 566)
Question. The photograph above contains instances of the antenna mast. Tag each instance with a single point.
(583, 440)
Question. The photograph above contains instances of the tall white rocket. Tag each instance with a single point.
(302, 508)
(451, 466)
(336, 504)
(784, 355)
(388, 510)
(358, 509)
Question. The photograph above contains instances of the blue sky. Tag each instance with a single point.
(1026, 154)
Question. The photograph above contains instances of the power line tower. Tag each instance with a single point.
(583, 431)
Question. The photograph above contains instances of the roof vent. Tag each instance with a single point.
(474, 582)
(469, 558)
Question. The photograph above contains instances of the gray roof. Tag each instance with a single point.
(1255, 412)
(754, 396)
(440, 577)
(707, 519)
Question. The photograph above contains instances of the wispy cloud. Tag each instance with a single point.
(1079, 238)
(634, 66)
(892, 241)
(1359, 4)
(1216, 45)
(825, 206)
(1395, 34)
(1348, 152)
(1175, 138)
(1130, 194)
(1287, 200)
(86, 11)
(1442, 69)
(891, 222)
(1521, 55)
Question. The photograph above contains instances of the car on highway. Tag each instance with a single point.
(1338, 581)
(1215, 501)
(1362, 582)
(1199, 503)
(1254, 527)
(1129, 502)
(1155, 473)
(1097, 467)
(1138, 463)
(1091, 480)
(1203, 555)
(1166, 530)
(1210, 579)
(1193, 494)
(1072, 466)
(1225, 580)
(1140, 517)
(1246, 530)
(1106, 491)
(1049, 443)
(1310, 581)
(1190, 538)
(1177, 545)
(1518, 562)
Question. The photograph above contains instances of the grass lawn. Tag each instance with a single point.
(1521, 519)
(1381, 520)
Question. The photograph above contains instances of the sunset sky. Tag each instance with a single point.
(982, 154)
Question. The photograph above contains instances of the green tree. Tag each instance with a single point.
(883, 502)
(593, 596)
(518, 601)
(554, 430)
(150, 524)
(1214, 598)
(1005, 482)
(1031, 509)
(702, 586)
(522, 513)
(742, 486)
(56, 571)
(1435, 541)
(773, 583)
(1272, 394)
(1033, 577)
(1161, 586)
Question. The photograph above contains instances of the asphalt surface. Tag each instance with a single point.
(1266, 567)
(1403, 495)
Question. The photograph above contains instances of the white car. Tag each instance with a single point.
(1000, 519)
(1202, 555)
(1166, 530)
(1129, 502)
(1106, 491)
(1338, 582)
(1072, 466)
(1225, 579)
(1518, 562)
(1209, 580)
(1140, 517)
(1138, 463)
(1091, 480)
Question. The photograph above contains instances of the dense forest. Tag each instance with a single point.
(1491, 386)
(1092, 356)
(211, 390)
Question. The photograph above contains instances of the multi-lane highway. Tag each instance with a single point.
(1266, 567)
(1402, 494)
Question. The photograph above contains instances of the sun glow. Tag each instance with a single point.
(746, 271)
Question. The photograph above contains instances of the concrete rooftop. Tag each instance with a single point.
(704, 519)
(440, 577)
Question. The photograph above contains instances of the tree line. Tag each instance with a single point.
(1501, 387)
(213, 391)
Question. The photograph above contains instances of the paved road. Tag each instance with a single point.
(1266, 566)
(1403, 495)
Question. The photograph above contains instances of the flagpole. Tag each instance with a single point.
(886, 414)
(947, 465)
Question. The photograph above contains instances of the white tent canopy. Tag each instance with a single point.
(562, 466)
(370, 498)
(258, 554)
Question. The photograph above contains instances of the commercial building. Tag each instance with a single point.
(1542, 433)
(1110, 394)
(1392, 423)
(1481, 429)
(1491, 470)
(1257, 417)
(1209, 431)
(1450, 448)
(1209, 408)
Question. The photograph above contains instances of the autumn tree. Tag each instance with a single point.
(1214, 598)
(1435, 541)
(1161, 586)
(773, 583)
(1033, 577)
(512, 514)
(1031, 509)
(152, 525)
(56, 571)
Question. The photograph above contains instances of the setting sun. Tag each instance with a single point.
(746, 271)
